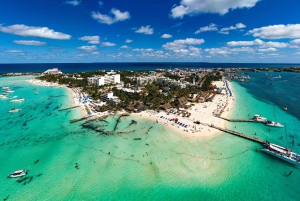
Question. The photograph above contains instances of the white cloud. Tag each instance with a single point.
(128, 41)
(14, 51)
(100, 3)
(277, 31)
(143, 50)
(166, 36)
(182, 44)
(226, 50)
(271, 49)
(245, 43)
(73, 3)
(237, 26)
(105, 19)
(29, 31)
(124, 47)
(192, 7)
(95, 53)
(211, 27)
(108, 44)
(295, 42)
(29, 42)
(91, 39)
(145, 30)
(259, 42)
(88, 48)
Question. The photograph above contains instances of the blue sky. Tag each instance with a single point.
(34, 31)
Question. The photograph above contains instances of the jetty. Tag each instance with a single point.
(68, 108)
(76, 120)
(254, 139)
(240, 120)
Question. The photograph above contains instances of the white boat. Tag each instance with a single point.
(14, 110)
(259, 118)
(18, 100)
(18, 173)
(5, 88)
(3, 96)
(9, 91)
(274, 124)
(282, 153)
(277, 76)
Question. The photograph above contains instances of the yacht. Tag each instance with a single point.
(18, 173)
(274, 124)
(259, 118)
(18, 100)
(282, 153)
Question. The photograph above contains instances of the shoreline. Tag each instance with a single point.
(202, 112)
(199, 112)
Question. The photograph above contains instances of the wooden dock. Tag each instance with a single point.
(239, 134)
(68, 108)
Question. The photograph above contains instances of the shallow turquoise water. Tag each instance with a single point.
(113, 166)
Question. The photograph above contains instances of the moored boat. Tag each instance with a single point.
(259, 118)
(14, 110)
(282, 153)
(285, 108)
(18, 100)
(274, 124)
(2, 96)
(18, 173)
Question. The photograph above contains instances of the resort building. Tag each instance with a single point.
(109, 78)
(142, 81)
(109, 96)
(53, 71)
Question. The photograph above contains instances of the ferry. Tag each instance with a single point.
(18, 173)
(259, 118)
(18, 100)
(282, 153)
(274, 124)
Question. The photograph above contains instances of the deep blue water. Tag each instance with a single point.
(284, 92)
(84, 67)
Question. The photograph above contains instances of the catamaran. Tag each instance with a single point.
(282, 153)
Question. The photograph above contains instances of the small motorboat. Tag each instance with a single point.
(18, 100)
(18, 173)
(285, 108)
(14, 110)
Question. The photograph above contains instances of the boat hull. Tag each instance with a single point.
(281, 157)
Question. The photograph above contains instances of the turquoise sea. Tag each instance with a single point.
(102, 161)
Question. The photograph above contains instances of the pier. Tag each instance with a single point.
(239, 134)
(76, 120)
(241, 120)
(68, 108)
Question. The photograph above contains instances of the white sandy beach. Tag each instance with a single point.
(202, 112)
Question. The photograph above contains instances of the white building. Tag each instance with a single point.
(109, 96)
(142, 81)
(106, 79)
